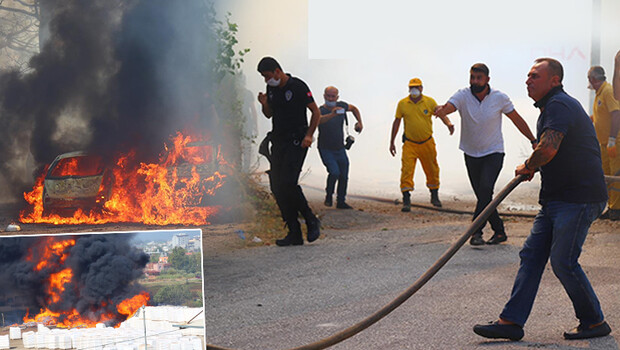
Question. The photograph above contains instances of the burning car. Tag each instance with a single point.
(76, 180)
(178, 189)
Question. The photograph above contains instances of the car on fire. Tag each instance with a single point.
(76, 180)
(80, 180)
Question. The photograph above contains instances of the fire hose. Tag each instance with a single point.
(421, 281)
(417, 285)
(610, 179)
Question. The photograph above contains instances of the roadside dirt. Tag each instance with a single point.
(380, 214)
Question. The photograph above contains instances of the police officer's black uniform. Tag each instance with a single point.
(289, 126)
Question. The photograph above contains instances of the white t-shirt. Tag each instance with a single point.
(481, 121)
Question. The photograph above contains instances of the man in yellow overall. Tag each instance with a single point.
(606, 118)
(418, 143)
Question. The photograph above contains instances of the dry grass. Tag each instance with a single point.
(262, 213)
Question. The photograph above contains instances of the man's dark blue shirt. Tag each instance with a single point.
(331, 136)
(575, 174)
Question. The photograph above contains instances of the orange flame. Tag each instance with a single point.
(53, 248)
(57, 283)
(149, 193)
(53, 255)
(129, 307)
(70, 319)
(78, 166)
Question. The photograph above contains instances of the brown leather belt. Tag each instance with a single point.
(416, 142)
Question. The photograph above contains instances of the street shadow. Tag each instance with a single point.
(608, 343)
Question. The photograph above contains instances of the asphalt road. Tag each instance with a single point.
(279, 298)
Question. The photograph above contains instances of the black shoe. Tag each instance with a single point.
(286, 241)
(580, 332)
(476, 240)
(614, 214)
(343, 205)
(498, 238)
(328, 201)
(605, 215)
(406, 202)
(435, 198)
(314, 229)
(494, 330)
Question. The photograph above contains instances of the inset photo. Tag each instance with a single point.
(112, 290)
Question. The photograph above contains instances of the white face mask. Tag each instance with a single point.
(330, 103)
(273, 83)
(414, 92)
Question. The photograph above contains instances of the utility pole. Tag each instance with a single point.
(146, 345)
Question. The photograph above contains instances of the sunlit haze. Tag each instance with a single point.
(370, 50)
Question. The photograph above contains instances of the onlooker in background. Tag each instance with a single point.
(482, 142)
(249, 126)
(285, 103)
(572, 196)
(418, 143)
(332, 148)
(606, 119)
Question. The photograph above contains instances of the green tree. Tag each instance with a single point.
(194, 263)
(227, 61)
(226, 66)
(173, 295)
(178, 259)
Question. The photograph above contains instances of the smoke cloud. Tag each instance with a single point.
(105, 269)
(112, 76)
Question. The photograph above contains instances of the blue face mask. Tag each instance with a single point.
(330, 104)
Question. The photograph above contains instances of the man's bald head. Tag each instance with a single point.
(331, 94)
(331, 90)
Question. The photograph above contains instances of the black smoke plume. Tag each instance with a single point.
(112, 76)
(105, 269)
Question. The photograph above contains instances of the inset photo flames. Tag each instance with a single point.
(120, 289)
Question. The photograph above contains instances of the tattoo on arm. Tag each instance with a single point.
(551, 138)
(547, 148)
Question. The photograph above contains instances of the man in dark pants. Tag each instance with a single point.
(286, 101)
(331, 145)
(573, 194)
(482, 143)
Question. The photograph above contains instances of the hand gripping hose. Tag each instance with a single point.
(447, 255)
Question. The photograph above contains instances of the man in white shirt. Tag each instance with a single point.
(481, 110)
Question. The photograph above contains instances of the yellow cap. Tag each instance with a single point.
(415, 82)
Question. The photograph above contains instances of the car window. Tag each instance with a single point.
(78, 166)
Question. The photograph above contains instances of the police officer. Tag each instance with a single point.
(285, 103)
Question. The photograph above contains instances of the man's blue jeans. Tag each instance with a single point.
(559, 231)
(337, 164)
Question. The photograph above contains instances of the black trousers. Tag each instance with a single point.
(287, 159)
(483, 173)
